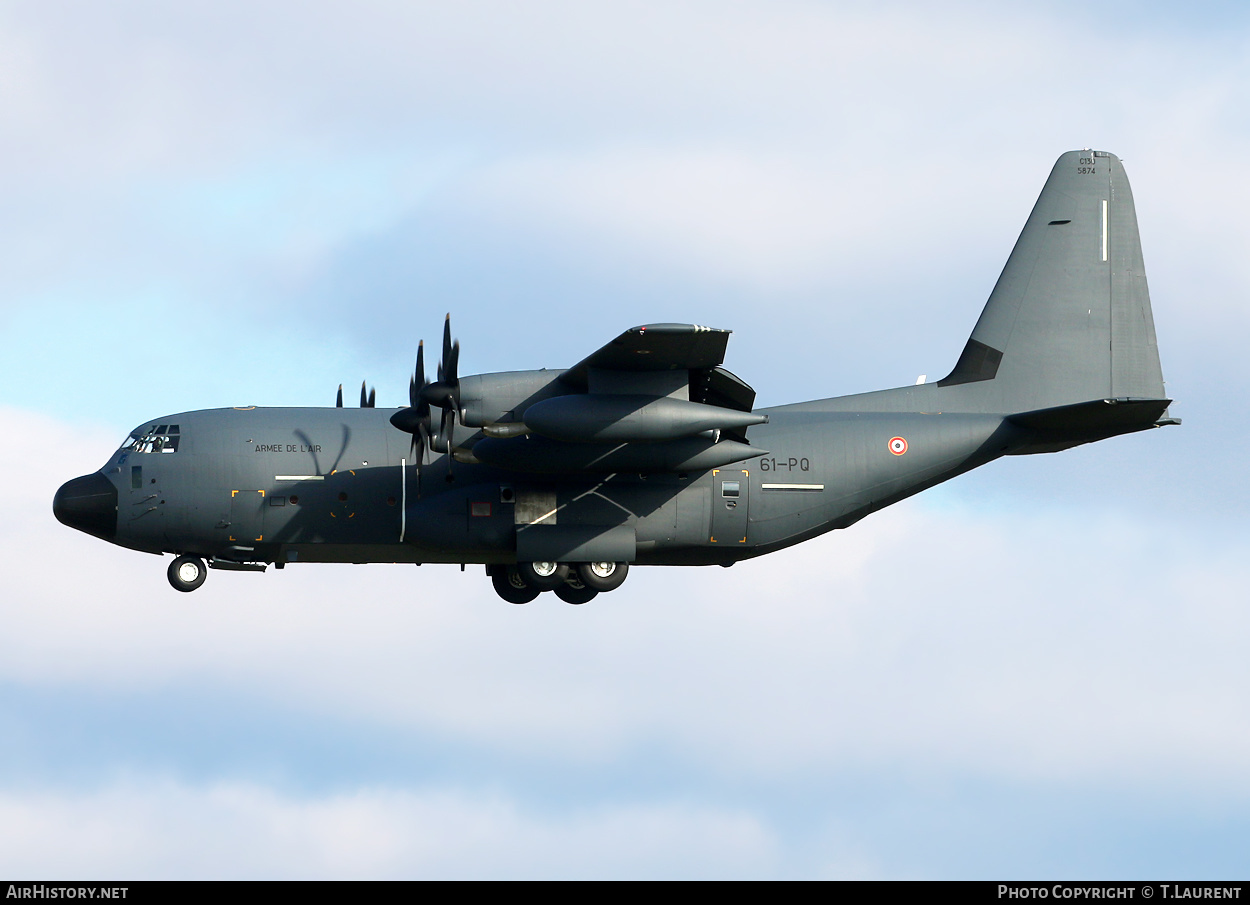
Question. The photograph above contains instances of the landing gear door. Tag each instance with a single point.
(730, 503)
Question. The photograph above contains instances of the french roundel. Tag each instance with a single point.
(897, 445)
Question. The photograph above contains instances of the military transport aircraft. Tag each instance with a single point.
(648, 452)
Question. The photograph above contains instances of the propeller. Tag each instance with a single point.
(338, 404)
(415, 419)
(422, 394)
(367, 401)
(445, 392)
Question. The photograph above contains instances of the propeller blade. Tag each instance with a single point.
(451, 358)
(447, 428)
(445, 392)
(339, 402)
(446, 425)
(373, 398)
(418, 377)
(364, 396)
(444, 372)
(415, 419)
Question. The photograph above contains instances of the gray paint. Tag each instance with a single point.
(1064, 353)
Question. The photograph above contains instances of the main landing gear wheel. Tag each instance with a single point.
(546, 576)
(602, 576)
(574, 591)
(186, 573)
(511, 587)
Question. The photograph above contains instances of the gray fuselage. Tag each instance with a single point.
(340, 485)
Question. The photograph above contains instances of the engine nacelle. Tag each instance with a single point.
(505, 396)
(630, 418)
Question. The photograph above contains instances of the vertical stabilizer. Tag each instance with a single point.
(1069, 320)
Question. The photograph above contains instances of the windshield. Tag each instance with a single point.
(159, 438)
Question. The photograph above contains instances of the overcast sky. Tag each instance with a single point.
(1038, 669)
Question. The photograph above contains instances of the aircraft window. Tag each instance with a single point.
(730, 489)
(156, 439)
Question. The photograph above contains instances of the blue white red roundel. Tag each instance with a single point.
(897, 445)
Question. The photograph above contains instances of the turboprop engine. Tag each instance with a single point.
(629, 418)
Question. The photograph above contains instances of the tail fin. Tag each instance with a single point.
(1069, 320)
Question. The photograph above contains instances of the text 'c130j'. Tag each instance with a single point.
(648, 452)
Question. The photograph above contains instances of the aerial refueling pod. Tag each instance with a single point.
(538, 454)
(630, 418)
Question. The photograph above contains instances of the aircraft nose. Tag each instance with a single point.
(89, 504)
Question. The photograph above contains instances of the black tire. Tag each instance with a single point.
(510, 587)
(186, 573)
(546, 576)
(602, 576)
(575, 592)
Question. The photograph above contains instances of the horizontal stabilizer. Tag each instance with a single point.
(1065, 426)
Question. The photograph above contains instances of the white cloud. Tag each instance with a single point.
(773, 144)
(158, 829)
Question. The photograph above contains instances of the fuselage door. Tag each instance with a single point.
(247, 516)
(730, 503)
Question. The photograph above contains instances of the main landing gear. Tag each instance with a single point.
(574, 584)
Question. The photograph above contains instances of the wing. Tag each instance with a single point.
(687, 348)
(652, 400)
(655, 347)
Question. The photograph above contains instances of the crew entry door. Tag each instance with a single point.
(730, 502)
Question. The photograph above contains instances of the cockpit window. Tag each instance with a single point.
(159, 438)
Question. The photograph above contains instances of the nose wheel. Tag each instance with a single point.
(186, 573)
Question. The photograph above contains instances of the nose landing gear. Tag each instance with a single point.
(186, 573)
